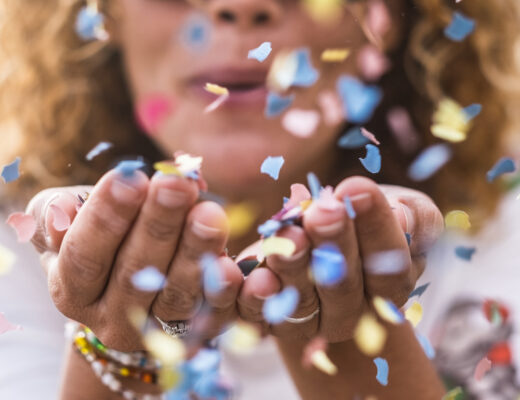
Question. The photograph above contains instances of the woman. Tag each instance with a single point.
(68, 96)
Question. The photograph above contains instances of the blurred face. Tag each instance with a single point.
(235, 138)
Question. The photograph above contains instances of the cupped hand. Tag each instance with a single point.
(127, 224)
(380, 262)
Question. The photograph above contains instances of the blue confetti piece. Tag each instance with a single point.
(96, 151)
(348, 206)
(212, 278)
(314, 185)
(276, 104)
(372, 161)
(196, 32)
(328, 265)
(205, 360)
(269, 228)
(460, 27)
(305, 75)
(272, 166)
(149, 279)
(261, 52)
(503, 166)
(359, 100)
(429, 162)
(11, 172)
(472, 111)
(210, 386)
(465, 253)
(382, 370)
(280, 306)
(408, 238)
(419, 290)
(128, 167)
(88, 23)
(353, 139)
(426, 346)
(285, 200)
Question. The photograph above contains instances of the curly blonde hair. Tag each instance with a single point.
(60, 96)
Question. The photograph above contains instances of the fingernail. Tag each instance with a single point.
(261, 298)
(408, 216)
(204, 231)
(171, 198)
(47, 213)
(328, 203)
(330, 229)
(361, 202)
(123, 191)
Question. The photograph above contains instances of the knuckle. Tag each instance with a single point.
(160, 229)
(248, 312)
(177, 299)
(123, 273)
(76, 260)
(109, 220)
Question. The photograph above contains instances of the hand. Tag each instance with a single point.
(384, 214)
(125, 225)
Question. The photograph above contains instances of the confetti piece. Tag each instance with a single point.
(372, 63)
(359, 101)
(276, 104)
(414, 313)
(170, 351)
(323, 10)
(472, 111)
(152, 111)
(61, 220)
(429, 162)
(217, 103)
(216, 89)
(450, 122)
(370, 136)
(305, 75)
(331, 107)
(269, 228)
(322, 362)
(7, 259)
(350, 209)
(401, 126)
(353, 139)
(382, 370)
(6, 326)
(369, 335)
(96, 151)
(261, 52)
(278, 246)
(465, 253)
(10, 172)
(272, 166)
(280, 306)
(387, 310)
(196, 32)
(387, 262)
(167, 168)
(335, 55)
(419, 290)
(301, 123)
(453, 394)
(482, 367)
(212, 279)
(24, 226)
(426, 346)
(149, 279)
(328, 265)
(241, 218)
(90, 24)
(503, 166)
(314, 185)
(457, 219)
(128, 167)
(460, 27)
(372, 161)
(241, 338)
(282, 71)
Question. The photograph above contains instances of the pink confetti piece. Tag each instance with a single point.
(331, 108)
(370, 136)
(301, 123)
(372, 63)
(152, 111)
(482, 367)
(316, 344)
(403, 130)
(61, 220)
(6, 326)
(23, 224)
(217, 103)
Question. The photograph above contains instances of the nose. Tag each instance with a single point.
(245, 13)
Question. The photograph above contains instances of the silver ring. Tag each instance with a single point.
(176, 329)
(303, 319)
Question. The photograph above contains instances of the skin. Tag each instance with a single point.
(129, 223)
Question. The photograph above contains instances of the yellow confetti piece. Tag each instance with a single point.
(452, 394)
(385, 310)
(450, 122)
(241, 217)
(241, 338)
(335, 55)
(322, 362)
(216, 89)
(414, 313)
(369, 335)
(170, 351)
(282, 71)
(167, 168)
(323, 10)
(448, 133)
(457, 219)
(169, 378)
(138, 317)
(305, 204)
(279, 246)
(7, 259)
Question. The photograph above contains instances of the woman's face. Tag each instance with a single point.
(235, 138)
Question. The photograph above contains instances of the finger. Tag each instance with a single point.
(152, 240)
(206, 231)
(326, 221)
(384, 251)
(258, 286)
(89, 247)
